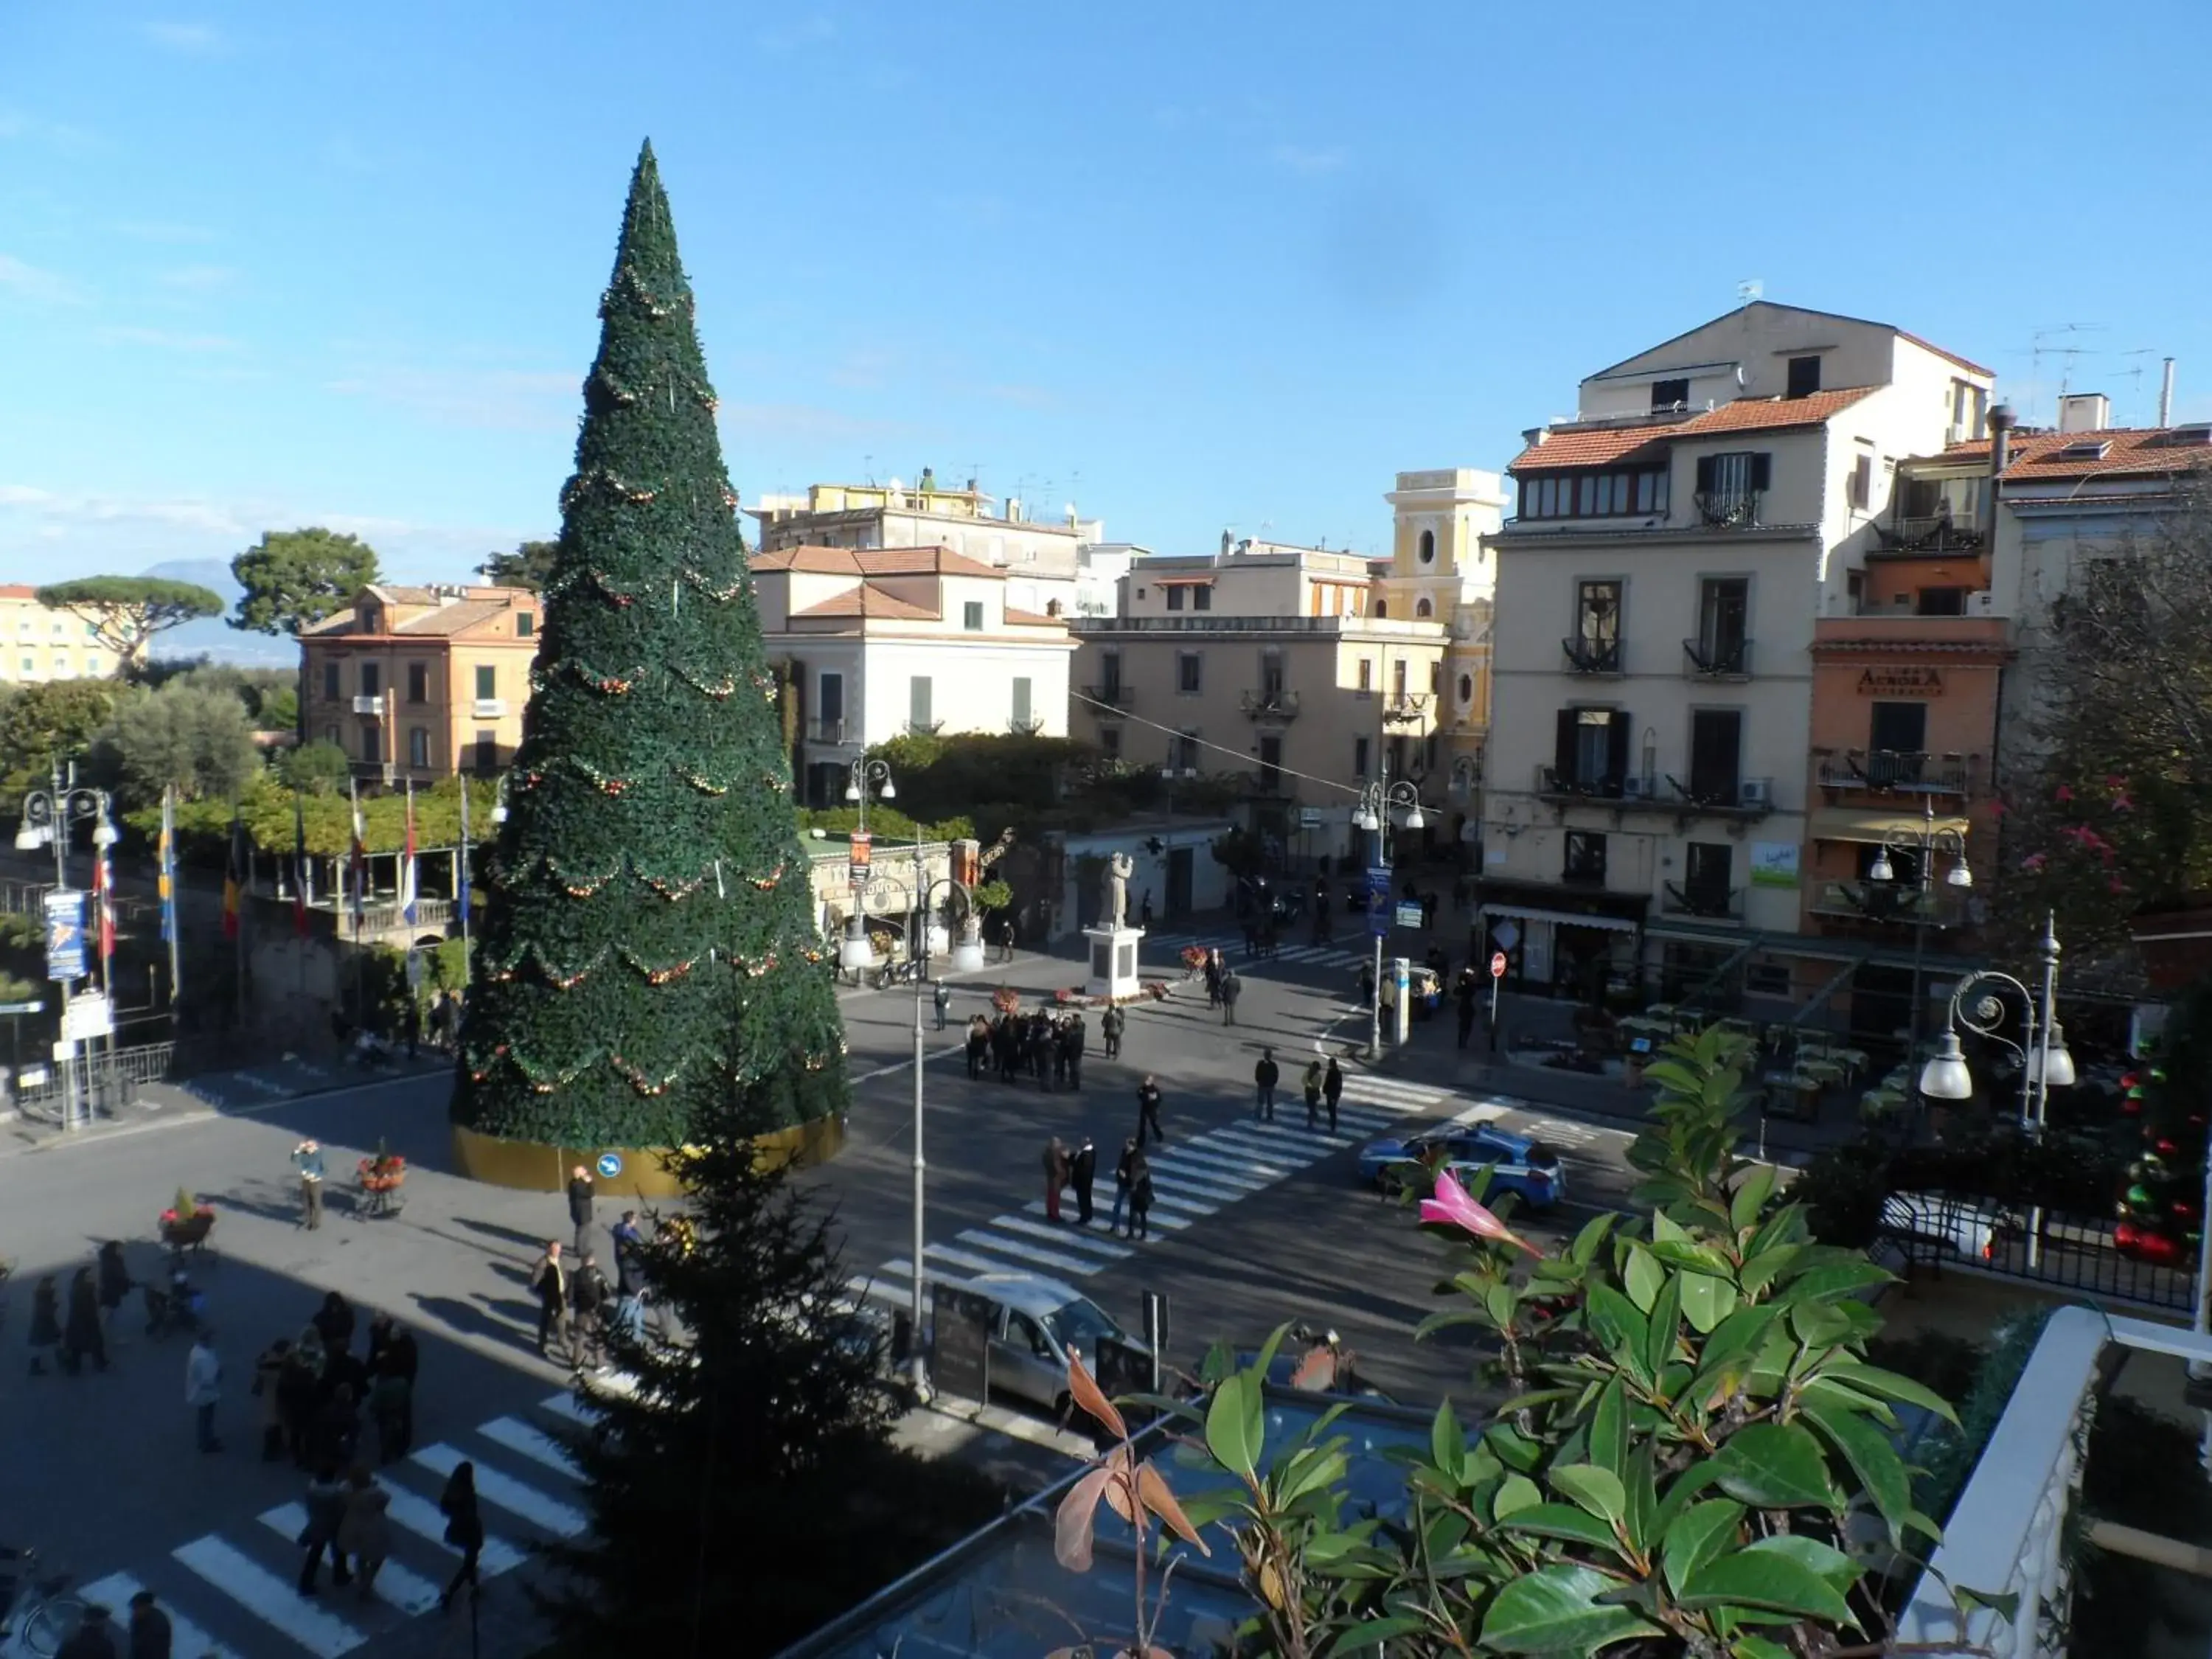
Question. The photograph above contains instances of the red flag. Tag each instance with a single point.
(103, 900)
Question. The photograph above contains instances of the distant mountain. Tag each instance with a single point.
(213, 637)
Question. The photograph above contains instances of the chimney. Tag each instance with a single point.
(2085, 412)
(1535, 436)
(2165, 396)
(2001, 424)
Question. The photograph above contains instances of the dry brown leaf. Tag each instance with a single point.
(1159, 1497)
(1121, 1491)
(1271, 1585)
(1074, 1522)
(1088, 1395)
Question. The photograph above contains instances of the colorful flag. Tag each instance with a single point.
(103, 900)
(234, 877)
(299, 865)
(360, 858)
(407, 908)
(461, 878)
(166, 854)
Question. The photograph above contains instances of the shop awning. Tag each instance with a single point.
(1558, 917)
(1849, 824)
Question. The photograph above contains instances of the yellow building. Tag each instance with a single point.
(421, 683)
(41, 642)
(1440, 570)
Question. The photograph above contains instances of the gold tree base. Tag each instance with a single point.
(533, 1166)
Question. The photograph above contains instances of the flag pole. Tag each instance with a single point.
(168, 886)
(461, 883)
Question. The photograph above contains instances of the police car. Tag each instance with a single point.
(1517, 1164)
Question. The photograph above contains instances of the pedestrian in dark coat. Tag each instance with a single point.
(326, 1501)
(93, 1638)
(1331, 1091)
(978, 1046)
(1313, 1095)
(1056, 1176)
(1110, 1026)
(1264, 1077)
(46, 1322)
(549, 1280)
(1148, 1111)
(334, 1322)
(629, 1260)
(581, 1194)
(1122, 1184)
(1082, 1170)
(299, 1391)
(336, 1429)
(269, 1388)
(401, 1360)
(115, 1284)
(150, 1628)
(1232, 988)
(1140, 1196)
(463, 1529)
(82, 1337)
(379, 1339)
(1077, 1038)
(1214, 978)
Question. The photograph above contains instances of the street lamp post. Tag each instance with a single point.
(854, 953)
(2045, 1062)
(1372, 814)
(47, 814)
(1921, 848)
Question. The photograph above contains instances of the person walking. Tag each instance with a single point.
(1056, 1176)
(1148, 1111)
(1121, 1184)
(1109, 1026)
(336, 1433)
(1332, 1090)
(589, 1299)
(82, 1337)
(390, 1400)
(581, 1197)
(550, 1279)
(1265, 1075)
(1078, 1039)
(1466, 994)
(93, 1638)
(203, 1388)
(401, 1361)
(410, 1027)
(1006, 933)
(327, 1508)
(942, 997)
(979, 1047)
(1214, 978)
(1232, 986)
(629, 1259)
(46, 1322)
(150, 1635)
(1366, 985)
(463, 1529)
(1313, 1094)
(1082, 1171)
(269, 1388)
(115, 1282)
(307, 1162)
(1140, 1196)
(334, 1323)
(1144, 911)
(364, 1532)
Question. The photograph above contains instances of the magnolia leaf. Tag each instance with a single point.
(1642, 1520)
(1516, 1492)
(1593, 1235)
(1706, 1301)
(1501, 1304)
(1699, 1535)
(1665, 1230)
(1890, 1386)
(1758, 1577)
(1752, 1645)
(1750, 1197)
(1374, 1632)
(1824, 1560)
(1315, 1470)
(1232, 1430)
(1087, 1395)
(1617, 1322)
(1666, 1322)
(1599, 1491)
(2005, 1606)
(1559, 1520)
(1608, 1429)
(1643, 1277)
(1152, 1491)
(1271, 1584)
(1776, 1466)
(1838, 1279)
(1556, 1609)
(1447, 1442)
(1871, 1455)
(1762, 1268)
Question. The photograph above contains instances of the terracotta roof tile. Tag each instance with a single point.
(1030, 619)
(2139, 451)
(1774, 414)
(868, 601)
(875, 561)
(1595, 447)
(1609, 446)
(450, 619)
(17, 591)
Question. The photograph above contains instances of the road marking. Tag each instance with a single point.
(1027, 1251)
(1288, 1137)
(1209, 1178)
(567, 1406)
(906, 1065)
(1192, 1189)
(408, 1592)
(426, 1520)
(502, 1492)
(533, 1443)
(1248, 1152)
(274, 1600)
(1075, 1236)
(1035, 1206)
(889, 1296)
(1178, 1204)
(1367, 1118)
(972, 1262)
(114, 1593)
(1211, 1164)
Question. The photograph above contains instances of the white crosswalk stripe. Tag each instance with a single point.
(114, 1593)
(1012, 1263)
(395, 1585)
(1076, 1236)
(1065, 1261)
(504, 1492)
(424, 1519)
(1180, 1204)
(533, 1443)
(1174, 1185)
(1216, 1165)
(1288, 1136)
(273, 1599)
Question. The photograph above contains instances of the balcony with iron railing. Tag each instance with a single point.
(1727, 509)
(1630, 791)
(1592, 656)
(1720, 657)
(1406, 707)
(1271, 702)
(1886, 903)
(831, 732)
(1115, 699)
(1933, 533)
(1702, 901)
(1897, 771)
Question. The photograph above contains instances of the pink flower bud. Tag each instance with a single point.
(1454, 1208)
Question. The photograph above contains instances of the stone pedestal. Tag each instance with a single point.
(1113, 962)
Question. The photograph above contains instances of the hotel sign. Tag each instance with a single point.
(1900, 682)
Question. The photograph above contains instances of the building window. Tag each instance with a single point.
(1429, 752)
(1109, 742)
(1715, 752)
(1940, 602)
(1585, 859)
(1595, 648)
(1858, 488)
(1182, 751)
(971, 616)
(1670, 394)
(329, 682)
(1804, 377)
(1724, 614)
(1436, 676)
(524, 625)
(30, 665)
(61, 663)
(92, 662)
(487, 683)
(1360, 757)
(919, 698)
(1021, 702)
(1423, 608)
(1187, 677)
(418, 747)
(830, 706)
(1428, 550)
(1175, 597)
(1366, 677)
(1271, 765)
(419, 682)
(1466, 689)
(1707, 871)
(1591, 753)
(372, 745)
(1638, 492)
(1382, 608)
(1398, 680)
(1201, 597)
(1730, 486)
(487, 753)
(1271, 677)
(372, 680)
(1110, 676)
(1895, 729)
(331, 736)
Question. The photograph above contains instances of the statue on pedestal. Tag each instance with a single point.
(1119, 866)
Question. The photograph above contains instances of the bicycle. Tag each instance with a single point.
(35, 1616)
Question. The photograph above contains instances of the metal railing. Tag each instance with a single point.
(1270, 704)
(1592, 656)
(1025, 728)
(826, 730)
(1119, 696)
(1713, 903)
(1884, 902)
(1403, 708)
(103, 1083)
(1727, 509)
(1717, 659)
(1933, 533)
(2070, 1252)
(1902, 771)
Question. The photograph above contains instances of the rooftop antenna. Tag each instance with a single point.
(868, 467)
(2135, 375)
(2038, 351)
(1751, 288)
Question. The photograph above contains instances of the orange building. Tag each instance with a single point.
(421, 683)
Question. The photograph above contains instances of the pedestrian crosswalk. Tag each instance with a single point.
(235, 1594)
(1192, 1178)
(1163, 953)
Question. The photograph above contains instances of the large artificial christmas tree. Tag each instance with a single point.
(649, 955)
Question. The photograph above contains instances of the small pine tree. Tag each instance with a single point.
(748, 1491)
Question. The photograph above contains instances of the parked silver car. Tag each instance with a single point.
(1035, 1324)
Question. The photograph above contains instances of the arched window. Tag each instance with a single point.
(1466, 688)
(1423, 608)
(1382, 607)
(1428, 547)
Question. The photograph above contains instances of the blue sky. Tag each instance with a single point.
(1190, 266)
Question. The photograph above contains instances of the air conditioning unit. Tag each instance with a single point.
(1983, 604)
(1635, 788)
(371, 704)
(1755, 791)
(488, 708)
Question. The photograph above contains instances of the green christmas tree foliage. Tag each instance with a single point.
(650, 953)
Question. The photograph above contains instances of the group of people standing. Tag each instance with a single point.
(318, 1396)
(79, 1333)
(1076, 1169)
(1046, 1043)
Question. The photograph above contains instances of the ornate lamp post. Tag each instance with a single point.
(855, 953)
(1372, 814)
(1921, 849)
(47, 814)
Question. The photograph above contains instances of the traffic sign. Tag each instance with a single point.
(23, 1007)
(609, 1165)
(89, 1016)
(1497, 964)
(1409, 912)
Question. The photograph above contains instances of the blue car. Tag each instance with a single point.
(1518, 1164)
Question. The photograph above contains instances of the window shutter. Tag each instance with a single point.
(1563, 758)
(1704, 475)
(1616, 749)
(1760, 470)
